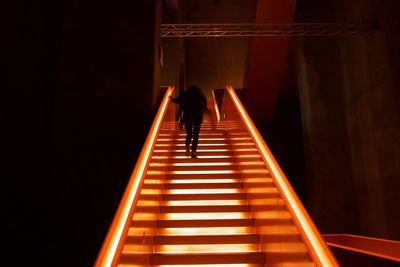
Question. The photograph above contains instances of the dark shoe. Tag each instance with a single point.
(194, 155)
(187, 153)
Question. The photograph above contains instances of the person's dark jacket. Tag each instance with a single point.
(193, 104)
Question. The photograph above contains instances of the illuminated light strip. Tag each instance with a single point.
(202, 134)
(209, 157)
(216, 106)
(207, 150)
(207, 231)
(277, 214)
(202, 181)
(199, 150)
(206, 265)
(216, 202)
(271, 189)
(209, 248)
(205, 216)
(290, 247)
(200, 191)
(211, 144)
(201, 139)
(318, 248)
(111, 244)
(182, 140)
(208, 172)
(144, 216)
(183, 134)
(147, 203)
(191, 164)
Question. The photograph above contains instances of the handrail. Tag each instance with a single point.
(112, 242)
(216, 106)
(377, 247)
(313, 239)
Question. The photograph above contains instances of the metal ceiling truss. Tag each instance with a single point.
(248, 30)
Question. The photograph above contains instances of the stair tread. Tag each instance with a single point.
(185, 209)
(206, 223)
(209, 239)
(181, 259)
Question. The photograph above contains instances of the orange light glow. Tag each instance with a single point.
(213, 144)
(209, 248)
(203, 181)
(204, 150)
(319, 250)
(219, 202)
(208, 265)
(199, 191)
(206, 231)
(215, 106)
(205, 216)
(201, 134)
(208, 157)
(111, 244)
(205, 139)
(185, 164)
(208, 172)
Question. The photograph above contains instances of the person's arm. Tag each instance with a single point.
(176, 99)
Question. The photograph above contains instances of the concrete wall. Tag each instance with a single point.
(351, 121)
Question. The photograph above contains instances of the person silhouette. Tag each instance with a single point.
(192, 103)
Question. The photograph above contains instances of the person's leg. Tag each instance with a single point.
(196, 132)
(188, 128)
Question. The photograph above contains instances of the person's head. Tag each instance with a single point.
(194, 89)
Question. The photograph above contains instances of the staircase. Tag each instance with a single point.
(232, 206)
(210, 211)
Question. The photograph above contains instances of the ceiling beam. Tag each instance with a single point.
(247, 30)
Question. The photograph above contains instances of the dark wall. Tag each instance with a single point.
(81, 81)
(349, 101)
(283, 132)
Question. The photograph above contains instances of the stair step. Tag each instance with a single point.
(222, 174)
(203, 196)
(205, 223)
(278, 258)
(210, 163)
(233, 196)
(204, 215)
(210, 239)
(186, 209)
(208, 265)
(201, 191)
(206, 144)
(209, 140)
(207, 258)
(205, 202)
(209, 248)
(232, 230)
(206, 153)
(212, 158)
(203, 185)
(204, 180)
(206, 166)
(203, 135)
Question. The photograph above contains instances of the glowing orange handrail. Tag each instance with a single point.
(112, 242)
(216, 106)
(377, 247)
(313, 239)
